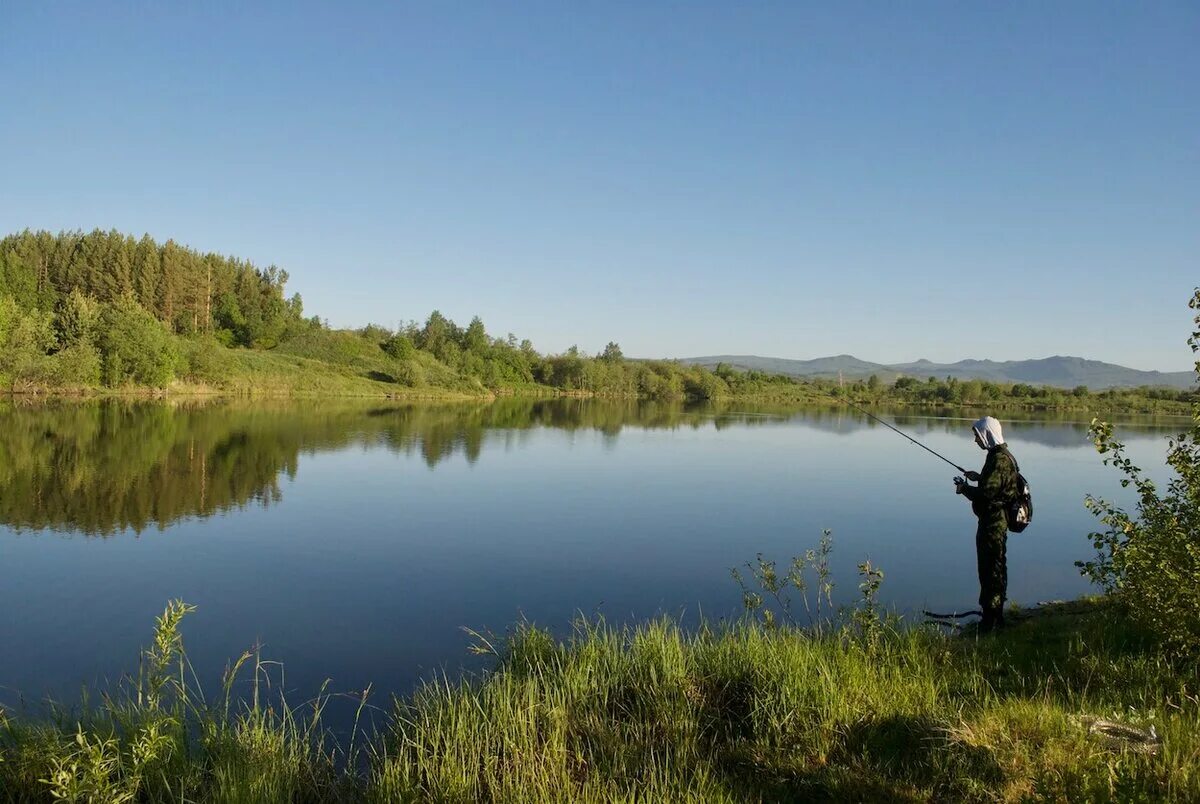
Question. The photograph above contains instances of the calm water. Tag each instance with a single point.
(354, 541)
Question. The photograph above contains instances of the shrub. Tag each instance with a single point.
(78, 319)
(25, 337)
(135, 347)
(207, 360)
(400, 346)
(1151, 559)
(76, 366)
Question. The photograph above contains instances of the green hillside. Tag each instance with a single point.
(105, 311)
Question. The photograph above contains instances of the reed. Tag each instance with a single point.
(654, 712)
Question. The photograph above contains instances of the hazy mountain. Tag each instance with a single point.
(848, 365)
(1059, 371)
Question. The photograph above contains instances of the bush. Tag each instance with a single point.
(78, 319)
(1151, 560)
(207, 360)
(76, 366)
(135, 347)
(400, 346)
(25, 337)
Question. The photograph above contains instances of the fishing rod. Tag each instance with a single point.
(897, 430)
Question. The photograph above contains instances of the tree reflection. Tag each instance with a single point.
(102, 466)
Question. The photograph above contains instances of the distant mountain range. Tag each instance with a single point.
(1058, 371)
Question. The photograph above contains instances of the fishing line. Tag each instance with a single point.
(896, 430)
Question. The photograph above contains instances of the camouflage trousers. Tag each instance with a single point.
(991, 551)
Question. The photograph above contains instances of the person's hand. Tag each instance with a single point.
(973, 476)
(958, 485)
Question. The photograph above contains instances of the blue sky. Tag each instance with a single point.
(892, 180)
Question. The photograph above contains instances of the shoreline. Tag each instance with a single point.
(1181, 410)
(861, 710)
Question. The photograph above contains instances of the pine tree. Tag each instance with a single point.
(475, 339)
(169, 283)
(146, 272)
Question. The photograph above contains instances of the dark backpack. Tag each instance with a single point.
(1019, 510)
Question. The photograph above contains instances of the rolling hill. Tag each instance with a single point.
(1059, 371)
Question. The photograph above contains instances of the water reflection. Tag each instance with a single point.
(356, 538)
(102, 466)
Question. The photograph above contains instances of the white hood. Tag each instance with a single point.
(989, 432)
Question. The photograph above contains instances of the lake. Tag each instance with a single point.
(353, 540)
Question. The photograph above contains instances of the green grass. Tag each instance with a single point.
(319, 363)
(654, 713)
(279, 373)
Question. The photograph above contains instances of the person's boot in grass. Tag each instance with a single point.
(988, 622)
(993, 620)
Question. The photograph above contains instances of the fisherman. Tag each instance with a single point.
(997, 486)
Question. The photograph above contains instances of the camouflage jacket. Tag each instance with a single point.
(997, 484)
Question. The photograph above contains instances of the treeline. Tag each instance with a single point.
(189, 292)
(951, 391)
(506, 363)
(82, 310)
(106, 309)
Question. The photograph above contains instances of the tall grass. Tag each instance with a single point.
(741, 712)
(156, 738)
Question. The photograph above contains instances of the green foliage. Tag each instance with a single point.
(768, 595)
(78, 320)
(156, 739)
(355, 355)
(188, 291)
(135, 347)
(952, 392)
(76, 367)
(1150, 559)
(75, 289)
(867, 617)
(122, 760)
(475, 339)
(703, 385)
(400, 346)
(25, 337)
(206, 360)
(612, 353)
(58, 287)
(770, 598)
(436, 335)
(652, 712)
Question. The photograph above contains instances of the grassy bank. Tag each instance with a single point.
(735, 713)
(325, 364)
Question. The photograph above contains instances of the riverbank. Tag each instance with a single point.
(733, 713)
(270, 376)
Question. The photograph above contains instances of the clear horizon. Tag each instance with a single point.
(894, 183)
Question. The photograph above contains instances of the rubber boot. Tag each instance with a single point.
(998, 618)
(988, 623)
